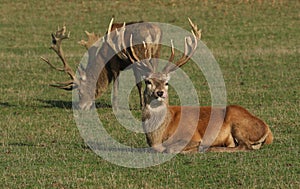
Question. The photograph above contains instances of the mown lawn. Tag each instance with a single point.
(256, 44)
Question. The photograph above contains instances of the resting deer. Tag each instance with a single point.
(182, 128)
(103, 67)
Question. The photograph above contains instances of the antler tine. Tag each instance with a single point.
(188, 44)
(57, 39)
(150, 46)
(68, 85)
(170, 67)
(117, 42)
(189, 49)
(142, 65)
(110, 25)
(186, 56)
(148, 55)
(108, 37)
(92, 38)
(122, 41)
(134, 57)
(171, 59)
(123, 54)
(196, 32)
(118, 45)
(61, 33)
(56, 46)
(51, 65)
(148, 49)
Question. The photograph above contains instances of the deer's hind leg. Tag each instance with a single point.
(240, 148)
(183, 147)
(191, 147)
(252, 137)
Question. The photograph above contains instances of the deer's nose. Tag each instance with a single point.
(160, 93)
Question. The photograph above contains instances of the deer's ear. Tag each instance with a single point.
(146, 75)
(168, 76)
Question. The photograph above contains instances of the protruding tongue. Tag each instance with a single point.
(165, 95)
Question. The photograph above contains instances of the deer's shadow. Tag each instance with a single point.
(104, 147)
(68, 104)
(6, 104)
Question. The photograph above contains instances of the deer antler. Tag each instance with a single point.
(118, 44)
(116, 41)
(189, 49)
(195, 30)
(92, 38)
(57, 39)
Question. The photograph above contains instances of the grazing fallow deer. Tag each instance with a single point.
(103, 65)
(182, 128)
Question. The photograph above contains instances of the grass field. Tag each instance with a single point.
(256, 44)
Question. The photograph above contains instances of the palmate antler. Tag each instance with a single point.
(56, 46)
(92, 39)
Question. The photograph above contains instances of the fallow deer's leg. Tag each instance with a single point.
(240, 148)
(115, 91)
(230, 142)
(183, 146)
(139, 86)
(191, 147)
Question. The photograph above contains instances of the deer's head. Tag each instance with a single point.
(156, 90)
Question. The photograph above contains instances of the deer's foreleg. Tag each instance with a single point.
(139, 86)
(115, 93)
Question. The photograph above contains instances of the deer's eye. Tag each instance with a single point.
(167, 84)
(147, 82)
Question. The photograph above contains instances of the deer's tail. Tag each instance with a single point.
(269, 138)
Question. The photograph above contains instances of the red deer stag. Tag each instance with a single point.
(182, 128)
(103, 65)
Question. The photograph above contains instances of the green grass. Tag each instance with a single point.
(255, 43)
